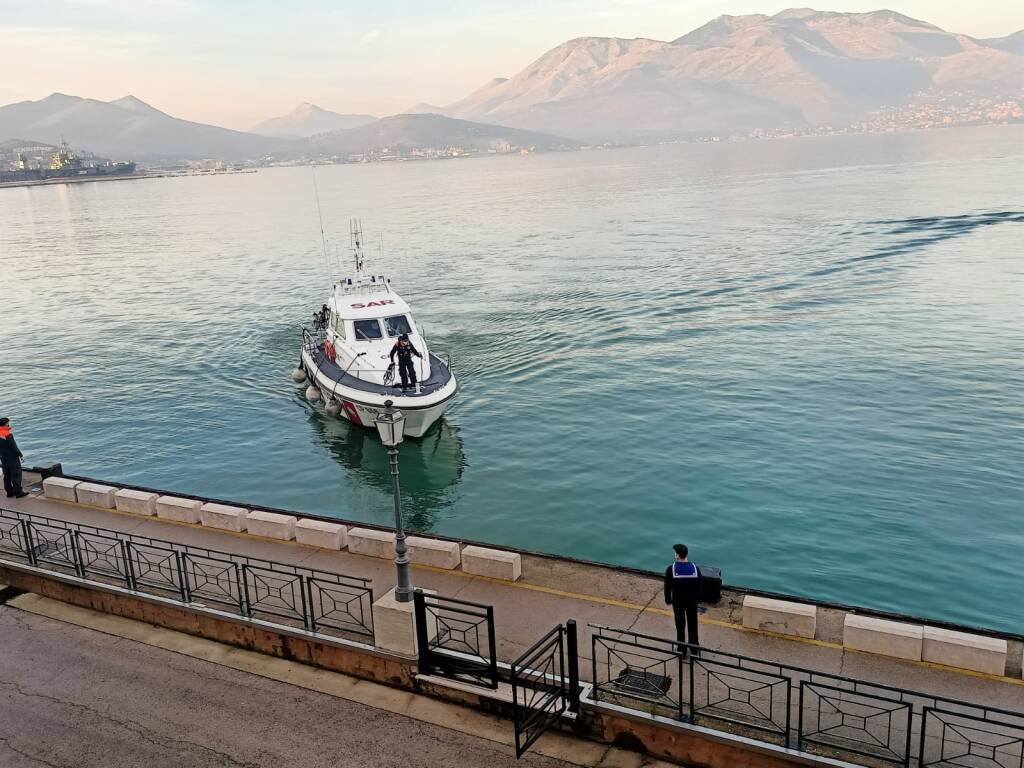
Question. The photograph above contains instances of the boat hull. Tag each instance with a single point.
(361, 407)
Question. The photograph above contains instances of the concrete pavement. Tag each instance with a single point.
(73, 696)
(553, 590)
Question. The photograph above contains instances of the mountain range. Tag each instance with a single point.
(308, 120)
(127, 128)
(795, 69)
(799, 67)
(416, 131)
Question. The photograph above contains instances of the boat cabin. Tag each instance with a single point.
(366, 319)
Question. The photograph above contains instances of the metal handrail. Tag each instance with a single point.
(252, 587)
(804, 670)
(904, 710)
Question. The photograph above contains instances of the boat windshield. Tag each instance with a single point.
(367, 329)
(397, 325)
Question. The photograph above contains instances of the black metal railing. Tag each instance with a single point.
(317, 601)
(818, 712)
(456, 639)
(634, 669)
(956, 739)
(545, 684)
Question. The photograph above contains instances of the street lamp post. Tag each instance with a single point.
(391, 426)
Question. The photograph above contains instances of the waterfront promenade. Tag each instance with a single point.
(72, 696)
(553, 590)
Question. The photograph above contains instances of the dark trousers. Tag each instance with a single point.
(12, 479)
(686, 622)
(407, 371)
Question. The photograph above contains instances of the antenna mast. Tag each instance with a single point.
(320, 218)
(356, 235)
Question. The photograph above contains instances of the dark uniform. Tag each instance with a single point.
(682, 592)
(10, 458)
(405, 367)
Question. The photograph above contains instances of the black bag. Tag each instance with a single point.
(710, 584)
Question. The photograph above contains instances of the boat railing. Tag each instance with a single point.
(313, 345)
(312, 340)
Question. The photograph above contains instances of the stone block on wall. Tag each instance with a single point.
(369, 541)
(886, 638)
(135, 502)
(782, 616)
(496, 563)
(178, 509)
(964, 651)
(272, 525)
(223, 516)
(96, 495)
(435, 552)
(320, 533)
(60, 488)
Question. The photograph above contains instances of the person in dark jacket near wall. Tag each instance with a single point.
(682, 592)
(10, 459)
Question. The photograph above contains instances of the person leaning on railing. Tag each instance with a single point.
(682, 592)
(10, 458)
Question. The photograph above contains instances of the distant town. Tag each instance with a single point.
(30, 162)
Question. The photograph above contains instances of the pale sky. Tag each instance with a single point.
(236, 62)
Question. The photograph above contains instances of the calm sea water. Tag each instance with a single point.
(803, 358)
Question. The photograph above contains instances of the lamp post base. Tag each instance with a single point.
(394, 624)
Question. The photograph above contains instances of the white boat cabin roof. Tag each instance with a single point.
(370, 297)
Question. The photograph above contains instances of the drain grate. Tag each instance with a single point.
(642, 682)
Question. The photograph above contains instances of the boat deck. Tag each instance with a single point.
(440, 375)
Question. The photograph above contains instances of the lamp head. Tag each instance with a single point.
(390, 425)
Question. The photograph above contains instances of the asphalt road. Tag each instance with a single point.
(76, 698)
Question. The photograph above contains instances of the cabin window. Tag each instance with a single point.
(397, 325)
(338, 324)
(367, 330)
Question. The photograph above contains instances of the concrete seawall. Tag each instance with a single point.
(574, 573)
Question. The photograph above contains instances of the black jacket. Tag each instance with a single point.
(682, 584)
(9, 451)
(404, 353)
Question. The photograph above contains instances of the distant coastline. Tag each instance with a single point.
(155, 174)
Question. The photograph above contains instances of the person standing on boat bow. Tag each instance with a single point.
(682, 592)
(405, 351)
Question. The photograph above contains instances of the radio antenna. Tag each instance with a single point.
(320, 218)
(355, 228)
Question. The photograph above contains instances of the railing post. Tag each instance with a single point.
(30, 549)
(492, 648)
(692, 686)
(76, 555)
(244, 608)
(129, 574)
(572, 651)
(800, 719)
(307, 606)
(422, 640)
(680, 666)
(179, 558)
(789, 709)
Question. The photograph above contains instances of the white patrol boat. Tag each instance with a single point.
(346, 356)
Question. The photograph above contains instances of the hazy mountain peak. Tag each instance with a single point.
(799, 67)
(135, 104)
(308, 119)
(58, 96)
(1011, 43)
(306, 108)
(125, 129)
(796, 13)
(423, 108)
